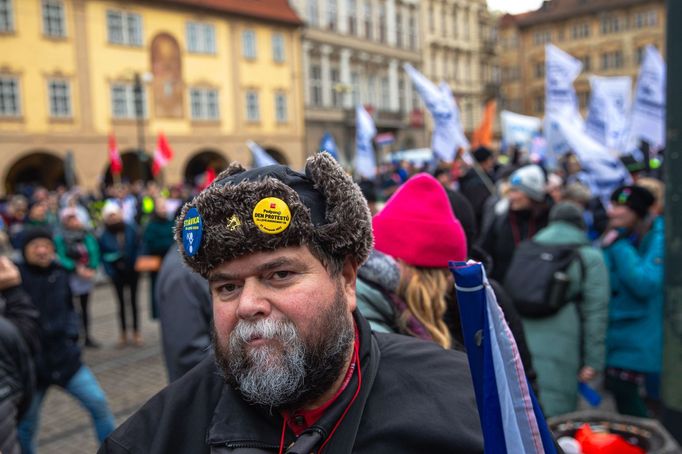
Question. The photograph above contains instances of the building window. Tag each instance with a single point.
(539, 104)
(59, 94)
(368, 19)
(278, 47)
(313, 13)
(200, 38)
(372, 90)
(53, 18)
(455, 22)
(331, 14)
(611, 24)
(355, 84)
(612, 60)
(382, 23)
(539, 70)
(124, 28)
(334, 74)
(646, 19)
(384, 100)
(6, 16)
(465, 26)
(542, 37)
(581, 30)
(443, 22)
(281, 113)
(123, 101)
(583, 98)
(412, 30)
(204, 104)
(315, 85)
(399, 29)
(352, 11)
(249, 44)
(432, 20)
(9, 97)
(252, 108)
(586, 61)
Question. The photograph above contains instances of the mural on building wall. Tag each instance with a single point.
(167, 85)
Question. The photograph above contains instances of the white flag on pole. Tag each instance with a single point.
(446, 137)
(261, 158)
(607, 118)
(601, 170)
(519, 130)
(365, 161)
(648, 109)
(461, 140)
(561, 69)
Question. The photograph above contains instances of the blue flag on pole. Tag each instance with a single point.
(328, 144)
(365, 161)
(511, 419)
(261, 158)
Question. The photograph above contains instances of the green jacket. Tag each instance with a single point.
(561, 344)
(68, 262)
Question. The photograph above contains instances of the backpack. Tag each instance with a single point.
(536, 279)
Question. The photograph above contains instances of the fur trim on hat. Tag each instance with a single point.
(347, 230)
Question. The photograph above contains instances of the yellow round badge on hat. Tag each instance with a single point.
(271, 215)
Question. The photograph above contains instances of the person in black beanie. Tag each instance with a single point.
(59, 361)
(473, 185)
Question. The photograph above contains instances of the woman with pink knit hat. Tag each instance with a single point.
(418, 229)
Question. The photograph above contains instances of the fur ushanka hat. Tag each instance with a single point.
(246, 211)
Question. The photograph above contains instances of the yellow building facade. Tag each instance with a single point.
(210, 78)
(608, 36)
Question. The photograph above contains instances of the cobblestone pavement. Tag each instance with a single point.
(129, 376)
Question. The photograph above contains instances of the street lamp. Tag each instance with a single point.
(138, 86)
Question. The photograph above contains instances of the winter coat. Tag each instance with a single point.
(185, 313)
(119, 251)
(476, 191)
(635, 334)
(16, 384)
(74, 248)
(509, 228)
(60, 356)
(398, 408)
(563, 343)
(157, 237)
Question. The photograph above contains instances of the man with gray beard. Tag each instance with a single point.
(296, 367)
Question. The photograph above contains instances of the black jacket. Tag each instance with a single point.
(60, 355)
(415, 397)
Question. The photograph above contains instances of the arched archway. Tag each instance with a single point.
(134, 168)
(277, 155)
(202, 161)
(42, 168)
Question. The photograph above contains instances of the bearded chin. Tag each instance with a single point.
(286, 371)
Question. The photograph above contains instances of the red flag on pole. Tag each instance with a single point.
(162, 154)
(115, 163)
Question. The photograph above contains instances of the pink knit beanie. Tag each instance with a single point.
(417, 225)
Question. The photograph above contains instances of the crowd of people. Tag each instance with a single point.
(282, 309)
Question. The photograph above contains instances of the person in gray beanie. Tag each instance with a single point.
(295, 367)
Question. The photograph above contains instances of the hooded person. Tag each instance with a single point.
(568, 346)
(634, 249)
(419, 230)
(473, 185)
(523, 214)
(295, 365)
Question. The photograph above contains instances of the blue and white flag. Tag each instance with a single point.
(445, 138)
(461, 140)
(648, 110)
(365, 161)
(601, 170)
(607, 117)
(561, 69)
(519, 130)
(261, 158)
(511, 419)
(328, 144)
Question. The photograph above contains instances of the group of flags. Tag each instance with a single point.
(163, 154)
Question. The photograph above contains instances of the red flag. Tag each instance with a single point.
(115, 163)
(162, 155)
(483, 136)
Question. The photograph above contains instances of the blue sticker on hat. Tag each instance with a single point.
(192, 228)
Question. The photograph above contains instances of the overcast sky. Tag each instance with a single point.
(515, 6)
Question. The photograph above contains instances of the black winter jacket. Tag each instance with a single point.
(415, 397)
(60, 356)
